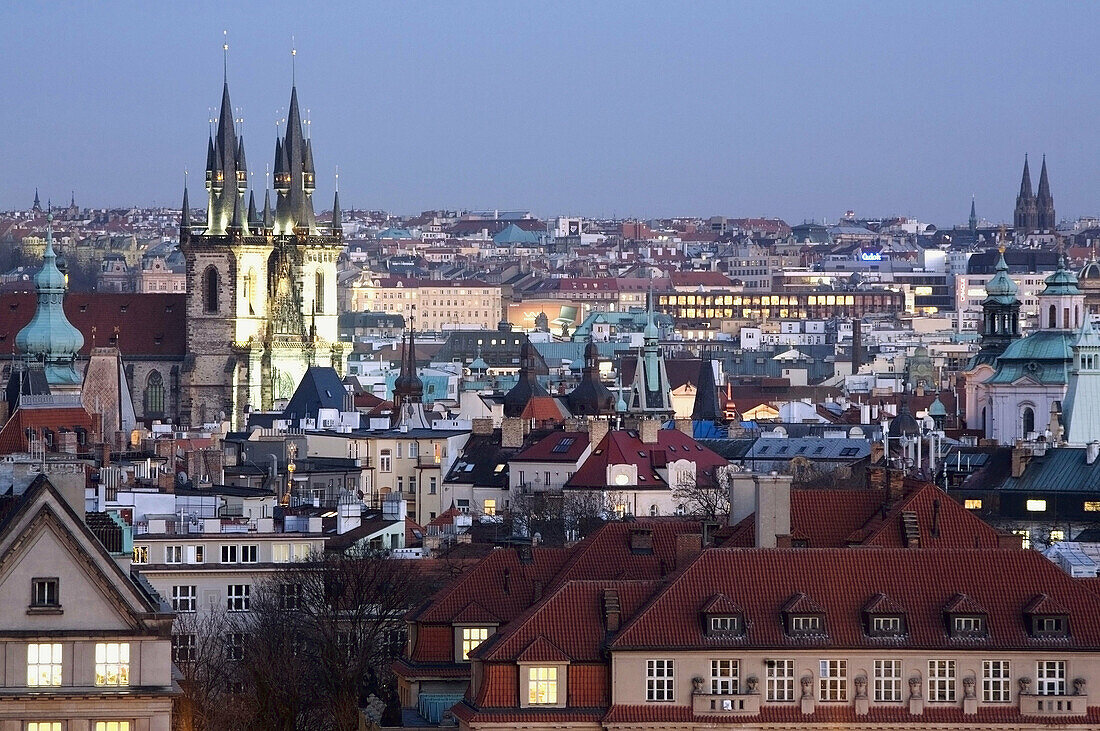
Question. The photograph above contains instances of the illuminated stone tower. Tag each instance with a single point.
(261, 293)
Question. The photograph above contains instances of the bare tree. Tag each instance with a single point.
(209, 676)
(707, 499)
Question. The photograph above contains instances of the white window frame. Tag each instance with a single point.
(43, 726)
(173, 554)
(1050, 677)
(229, 553)
(280, 553)
(889, 625)
(185, 597)
(802, 624)
(724, 676)
(832, 682)
(112, 726)
(542, 685)
(140, 554)
(969, 625)
(238, 597)
(112, 664)
(724, 625)
(779, 680)
(887, 681)
(941, 681)
(44, 664)
(187, 642)
(250, 553)
(996, 681)
(660, 681)
(470, 638)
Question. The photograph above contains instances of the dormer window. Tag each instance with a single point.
(966, 618)
(809, 624)
(725, 625)
(886, 626)
(722, 618)
(803, 617)
(883, 617)
(1045, 617)
(968, 626)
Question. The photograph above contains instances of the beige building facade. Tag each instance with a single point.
(430, 305)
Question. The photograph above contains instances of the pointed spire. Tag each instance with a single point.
(253, 216)
(1025, 181)
(242, 166)
(973, 217)
(72, 199)
(37, 203)
(185, 213)
(1044, 184)
(237, 222)
(267, 210)
(337, 224)
(211, 159)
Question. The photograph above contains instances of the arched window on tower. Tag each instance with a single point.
(1052, 319)
(1028, 419)
(250, 290)
(154, 395)
(319, 291)
(210, 290)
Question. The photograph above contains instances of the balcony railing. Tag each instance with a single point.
(718, 704)
(1053, 705)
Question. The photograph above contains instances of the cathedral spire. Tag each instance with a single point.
(1044, 202)
(37, 203)
(337, 224)
(1026, 191)
(973, 217)
(185, 213)
(253, 215)
(267, 210)
(1026, 217)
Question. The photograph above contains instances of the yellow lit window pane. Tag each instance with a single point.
(1092, 506)
(43, 664)
(44, 726)
(542, 686)
(112, 663)
(471, 638)
(1036, 506)
(972, 504)
(112, 726)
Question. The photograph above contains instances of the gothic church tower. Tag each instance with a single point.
(261, 292)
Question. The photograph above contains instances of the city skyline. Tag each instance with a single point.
(618, 111)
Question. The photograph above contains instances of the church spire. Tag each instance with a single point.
(337, 224)
(1026, 216)
(973, 217)
(253, 216)
(185, 212)
(37, 207)
(1044, 202)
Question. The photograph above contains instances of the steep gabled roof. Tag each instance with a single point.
(320, 388)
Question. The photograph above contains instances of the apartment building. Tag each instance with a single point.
(84, 646)
(433, 305)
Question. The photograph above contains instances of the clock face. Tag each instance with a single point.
(621, 479)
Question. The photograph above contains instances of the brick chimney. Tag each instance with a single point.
(482, 425)
(641, 540)
(688, 546)
(685, 426)
(612, 614)
(648, 429)
(511, 432)
(597, 430)
(1020, 457)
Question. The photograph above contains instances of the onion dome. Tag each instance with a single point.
(528, 386)
(904, 424)
(1001, 285)
(591, 397)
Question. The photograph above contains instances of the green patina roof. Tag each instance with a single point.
(1001, 288)
(1044, 356)
(1062, 281)
(936, 408)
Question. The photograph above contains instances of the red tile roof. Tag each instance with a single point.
(627, 448)
(13, 436)
(554, 448)
(841, 581)
(142, 324)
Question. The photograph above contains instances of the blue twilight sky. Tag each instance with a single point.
(798, 110)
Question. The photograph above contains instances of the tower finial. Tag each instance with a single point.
(225, 56)
(293, 54)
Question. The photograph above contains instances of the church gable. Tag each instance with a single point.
(45, 542)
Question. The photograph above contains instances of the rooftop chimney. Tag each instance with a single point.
(648, 430)
(773, 508)
(641, 540)
(611, 612)
(1091, 452)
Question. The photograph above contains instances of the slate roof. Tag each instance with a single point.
(320, 388)
(815, 448)
(626, 447)
(560, 446)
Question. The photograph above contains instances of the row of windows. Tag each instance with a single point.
(886, 685)
(99, 726)
(230, 553)
(45, 660)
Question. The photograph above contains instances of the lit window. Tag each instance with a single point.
(723, 677)
(1092, 506)
(200, 553)
(300, 551)
(44, 664)
(1036, 506)
(471, 638)
(833, 682)
(184, 598)
(660, 680)
(490, 507)
(112, 726)
(112, 663)
(941, 680)
(45, 593)
(141, 554)
(1025, 537)
(280, 552)
(238, 597)
(972, 504)
(887, 681)
(44, 726)
(996, 681)
(542, 686)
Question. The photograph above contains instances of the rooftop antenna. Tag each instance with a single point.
(210, 121)
(308, 123)
(293, 53)
(337, 178)
(225, 56)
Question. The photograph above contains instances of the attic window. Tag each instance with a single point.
(887, 625)
(968, 626)
(804, 624)
(83, 308)
(763, 450)
(724, 625)
(672, 447)
(499, 468)
(123, 308)
(564, 445)
(849, 452)
(641, 453)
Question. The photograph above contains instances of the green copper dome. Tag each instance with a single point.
(1062, 281)
(936, 408)
(49, 336)
(1001, 287)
